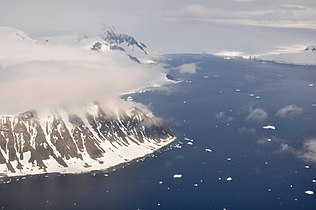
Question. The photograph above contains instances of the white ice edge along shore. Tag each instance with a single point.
(295, 57)
(111, 160)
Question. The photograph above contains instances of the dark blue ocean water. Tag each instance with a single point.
(263, 176)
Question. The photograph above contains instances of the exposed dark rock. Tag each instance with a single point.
(114, 38)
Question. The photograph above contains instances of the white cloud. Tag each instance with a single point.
(257, 114)
(244, 130)
(223, 117)
(289, 111)
(195, 10)
(308, 153)
(190, 68)
(173, 26)
(35, 75)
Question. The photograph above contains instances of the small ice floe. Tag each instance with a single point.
(184, 102)
(188, 139)
(227, 58)
(252, 95)
(313, 105)
(160, 182)
(205, 77)
(258, 97)
(229, 159)
(271, 127)
(269, 190)
(307, 167)
(177, 176)
(190, 143)
(229, 179)
(291, 186)
(309, 192)
(106, 175)
(93, 174)
(178, 146)
(129, 98)
(195, 185)
(314, 180)
(237, 90)
(208, 150)
(269, 140)
(311, 85)
(23, 178)
(46, 176)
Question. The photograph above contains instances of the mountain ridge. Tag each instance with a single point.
(70, 143)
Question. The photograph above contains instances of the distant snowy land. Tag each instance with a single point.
(297, 55)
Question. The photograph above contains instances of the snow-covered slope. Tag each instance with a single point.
(66, 142)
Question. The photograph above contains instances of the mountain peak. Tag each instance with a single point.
(114, 38)
(311, 48)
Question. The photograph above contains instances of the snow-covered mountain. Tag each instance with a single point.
(105, 41)
(67, 140)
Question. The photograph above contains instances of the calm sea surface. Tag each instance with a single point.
(227, 161)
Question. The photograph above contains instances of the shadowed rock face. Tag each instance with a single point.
(115, 39)
(27, 140)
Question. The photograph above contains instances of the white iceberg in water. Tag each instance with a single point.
(177, 176)
(208, 150)
(271, 127)
(309, 192)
